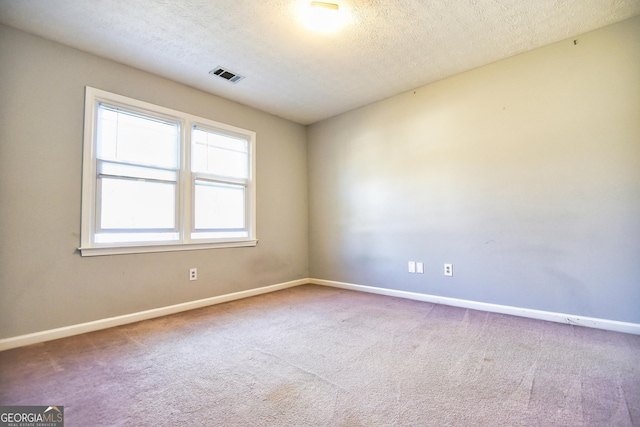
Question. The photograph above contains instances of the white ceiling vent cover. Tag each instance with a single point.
(226, 74)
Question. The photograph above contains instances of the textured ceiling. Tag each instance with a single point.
(385, 47)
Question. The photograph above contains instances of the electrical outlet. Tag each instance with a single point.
(420, 268)
(412, 266)
(448, 269)
(193, 274)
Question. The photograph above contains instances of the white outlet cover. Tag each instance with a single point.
(420, 268)
(448, 269)
(412, 266)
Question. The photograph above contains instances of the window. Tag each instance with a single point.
(156, 179)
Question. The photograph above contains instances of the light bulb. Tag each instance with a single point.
(323, 16)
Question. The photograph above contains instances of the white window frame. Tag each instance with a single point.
(185, 186)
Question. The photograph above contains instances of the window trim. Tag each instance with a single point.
(185, 180)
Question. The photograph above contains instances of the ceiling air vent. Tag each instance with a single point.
(226, 74)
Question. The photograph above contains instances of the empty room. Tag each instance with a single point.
(341, 213)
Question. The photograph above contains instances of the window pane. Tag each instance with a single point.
(220, 235)
(219, 154)
(131, 204)
(132, 138)
(219, 206)
(168, 236)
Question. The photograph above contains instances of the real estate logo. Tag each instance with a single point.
(32, 416)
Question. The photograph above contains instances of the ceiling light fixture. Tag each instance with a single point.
(323, 16)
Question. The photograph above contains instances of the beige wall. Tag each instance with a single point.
(525, 174)
(44, 282)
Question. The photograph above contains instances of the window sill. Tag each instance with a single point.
(141, 249)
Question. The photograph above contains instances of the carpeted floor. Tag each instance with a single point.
(317, 356)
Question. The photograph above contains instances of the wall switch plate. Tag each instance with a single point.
(193, 274)
(420, 267)
(448, 269)
(412, 266)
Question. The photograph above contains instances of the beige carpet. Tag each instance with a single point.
(316, 356)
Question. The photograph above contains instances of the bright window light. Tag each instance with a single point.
(157, 179)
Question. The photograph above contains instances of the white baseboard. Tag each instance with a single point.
(67, 331)
(590, 322)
